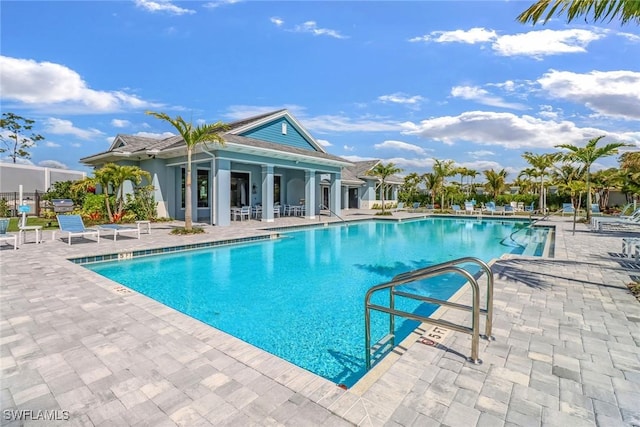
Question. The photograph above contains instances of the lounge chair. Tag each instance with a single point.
(400, 207)
(118, 229)
(74, 226)
(597, 222)
(470, 208)
(529, 208)
(456, 209)
(567, 208)
(508, 209)
(4, 236)
(595, 209)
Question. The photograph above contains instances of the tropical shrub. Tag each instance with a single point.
(4, 208)
(142, 204)
(93, 208)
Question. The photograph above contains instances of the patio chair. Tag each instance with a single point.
(414, 207)
(500, 210)
(400, 207)
(469, 208)
(118, 229)
(529, 208)
(276, 211)
(23, 228)
(456, 209)
(4, 236)
(490, 207)
(244, 212)
(73, 226)
(567, 208)
(508, 209)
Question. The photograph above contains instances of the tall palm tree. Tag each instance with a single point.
(442, 169)
(496, 181)
(431, 183)
(587, 155)
(472, 175)
(540, 163)
(630, 170)
(383, 172)
(598, 10)
(192, 137)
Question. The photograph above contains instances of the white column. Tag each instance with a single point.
(336, 192)
(267, 193)
(222, 191)
(310, 193)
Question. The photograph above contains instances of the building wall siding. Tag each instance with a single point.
(272, 132)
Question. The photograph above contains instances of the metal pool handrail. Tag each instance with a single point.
(433, 271)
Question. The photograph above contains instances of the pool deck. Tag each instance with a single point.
(567, 348)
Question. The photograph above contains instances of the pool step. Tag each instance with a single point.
(382, 347)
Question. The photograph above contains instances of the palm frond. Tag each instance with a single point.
(591, 10)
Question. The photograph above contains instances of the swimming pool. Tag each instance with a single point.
(302, 297)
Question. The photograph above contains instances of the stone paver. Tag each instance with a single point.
(566, 351)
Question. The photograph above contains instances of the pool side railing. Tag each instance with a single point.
(425, 273)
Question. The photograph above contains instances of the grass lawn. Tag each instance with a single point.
(47, 224)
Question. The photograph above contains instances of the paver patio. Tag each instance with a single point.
(567, 349)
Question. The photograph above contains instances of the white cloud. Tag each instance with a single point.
(533, 43)
(312, 28)
(481, 153)
(348, 148)
(45, 84)
(277, 21)
(65, 127)
(507, 130)
(401, 98)
(50, 144)
(482, 96)
(545, 42)
(472, 36)
(324, 142)
(52, 164)
(218, 3)
(322, 123)
(399, 145)
(153, 135)
(118, 123)
(163, 6)
(609, 93)
(339, 123)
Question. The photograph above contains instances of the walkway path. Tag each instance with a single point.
(567, 350)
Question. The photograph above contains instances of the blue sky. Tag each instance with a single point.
(404, 82)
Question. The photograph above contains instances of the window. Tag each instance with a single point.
(276, 189)
(284, 128)
(203, 188)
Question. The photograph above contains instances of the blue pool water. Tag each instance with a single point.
(302, 297)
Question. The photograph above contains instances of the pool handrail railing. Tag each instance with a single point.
(433, 271)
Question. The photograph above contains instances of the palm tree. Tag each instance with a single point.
(604, 181)
(630, 170)
(383, 172)
(496, 181)
(442, 169)
(587, 155)
(599, 10)
(192, 137)
(410, 186)
(431, 183)
(114, 176)
(472, 175)
(540, 163)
